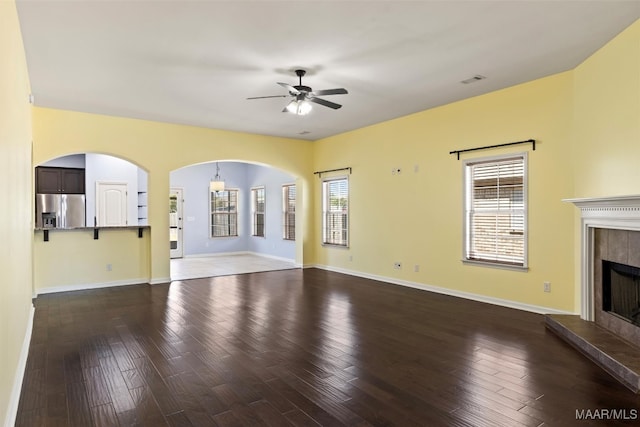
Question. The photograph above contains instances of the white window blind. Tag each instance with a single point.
(257, 210)
(496, 211)
(224, 213)
(335, 215)
(289, 212)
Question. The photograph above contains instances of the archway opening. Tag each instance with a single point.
(247, 227)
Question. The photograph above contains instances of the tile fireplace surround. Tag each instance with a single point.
(623, 247)
(613, 215)
(610, 230)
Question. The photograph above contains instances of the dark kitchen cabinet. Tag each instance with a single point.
(51, 180)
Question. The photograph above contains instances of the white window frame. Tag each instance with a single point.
(327, 240)
(467, 200)
(236, 212)
(255, 212)
(288, 225)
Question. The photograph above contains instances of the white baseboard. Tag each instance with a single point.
(277, 258)
(221, 254)
(446, 291)
(159, 280)
(14, 398)
(215, 254)
(86, 286)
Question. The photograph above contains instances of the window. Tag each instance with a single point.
(289, 212)
(224, 213)
(257, 211)
(496, 211)
(335, 211)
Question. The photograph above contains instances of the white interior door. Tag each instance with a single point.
(175, 222)
(111, 204)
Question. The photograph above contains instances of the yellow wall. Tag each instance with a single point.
(75, 258)
(160, 148)
(606, 154)
(606, 141)
(416, 217)
(587, 124)
(15, 217)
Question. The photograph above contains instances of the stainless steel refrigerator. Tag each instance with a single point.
(60, 210)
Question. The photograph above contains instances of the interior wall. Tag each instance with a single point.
(16, 222)
(103, 168)
(194, 181)
(606, 140)
(607, 119)
(160, 148)
(74, 259)
(71, 161)
(416, 217)
(272, 243)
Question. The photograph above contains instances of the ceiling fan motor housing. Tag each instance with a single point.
(301, 88)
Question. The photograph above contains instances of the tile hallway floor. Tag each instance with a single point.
(223, 265)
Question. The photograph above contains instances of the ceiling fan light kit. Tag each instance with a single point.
(304, 96)
(299, 107)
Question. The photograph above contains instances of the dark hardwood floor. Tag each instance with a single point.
(304, 348)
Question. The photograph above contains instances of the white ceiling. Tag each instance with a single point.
(196, 62)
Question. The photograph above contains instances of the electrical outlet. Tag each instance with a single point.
(396, 171)
(109, 267)
(547, 286)
(397, 265)
(350, 257)
(416, 268)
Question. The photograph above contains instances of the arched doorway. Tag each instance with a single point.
(247, 227)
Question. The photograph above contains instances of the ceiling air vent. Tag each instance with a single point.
(473, 79)
(304, 132)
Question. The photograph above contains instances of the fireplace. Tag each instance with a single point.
(607, 330)
(621, 291)
(610, 239)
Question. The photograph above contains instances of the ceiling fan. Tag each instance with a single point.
(304, 95)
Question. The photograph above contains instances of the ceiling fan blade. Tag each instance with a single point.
(272, 96)
(325, 103)
(290, 88)
(340, 91)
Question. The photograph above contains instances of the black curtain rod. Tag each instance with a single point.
(532, 141)
(332, 170)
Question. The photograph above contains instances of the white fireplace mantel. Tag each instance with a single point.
(622, 213)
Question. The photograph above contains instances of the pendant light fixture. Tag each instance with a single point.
(216, 184)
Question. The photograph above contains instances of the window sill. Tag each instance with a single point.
(333, 245)
(495, 265)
